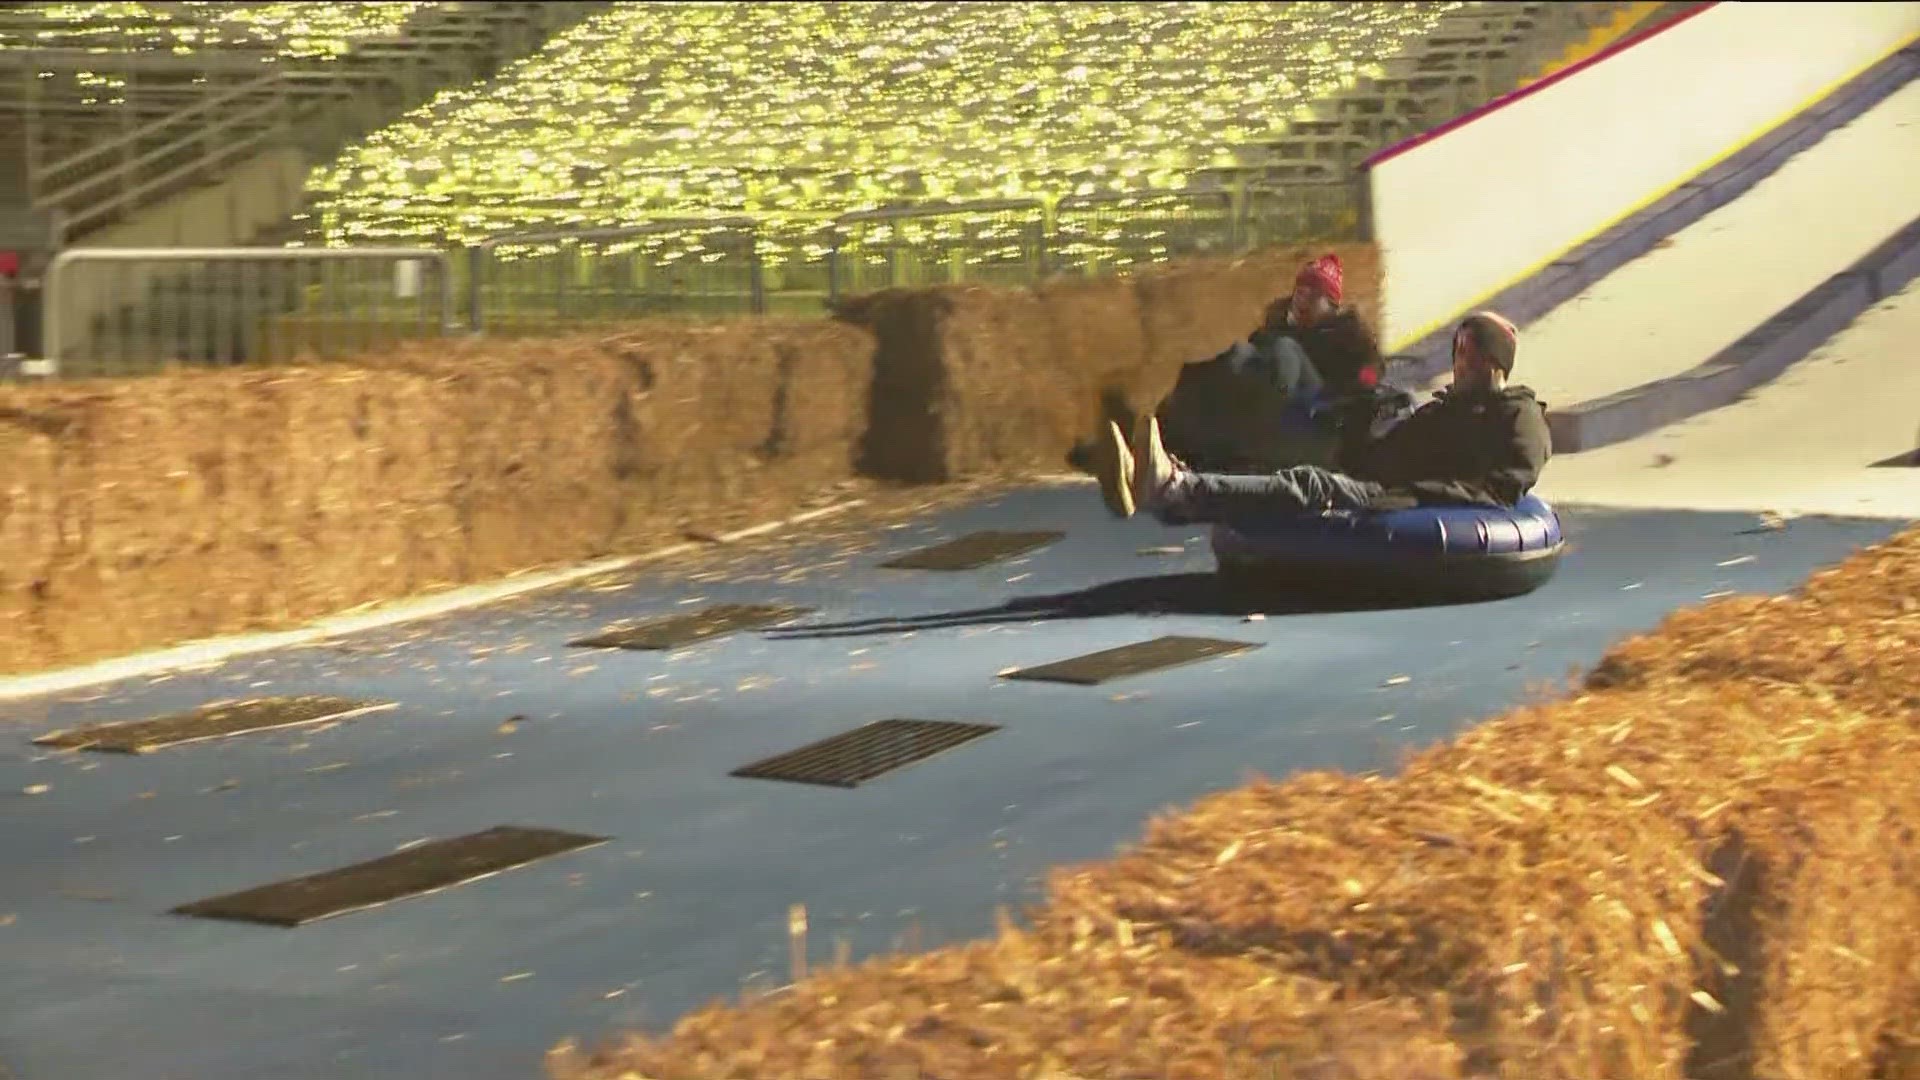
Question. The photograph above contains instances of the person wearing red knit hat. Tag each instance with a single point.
(1480, 442)
(1225, 412)
(1331, 339)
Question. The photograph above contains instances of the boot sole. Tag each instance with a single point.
(1113, 463)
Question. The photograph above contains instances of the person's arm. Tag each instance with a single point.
(1523, 455)
(1366, 457)
(1358, 351)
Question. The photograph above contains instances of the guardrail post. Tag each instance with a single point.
(444, 261)
(1043, 246)
(477, 259)
(756, 283)
(55, 291)
(833, 262)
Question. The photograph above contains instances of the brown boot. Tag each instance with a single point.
(1113, 464)
(1153, 468)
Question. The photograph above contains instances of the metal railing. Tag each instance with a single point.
(230, 305)
(535, 280)
(1113, 233)
(110, 130)
(1302, 211)
(237, 305)
(996, 242)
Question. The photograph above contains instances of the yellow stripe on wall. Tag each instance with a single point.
(1598, 39)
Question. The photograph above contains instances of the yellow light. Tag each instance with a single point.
(804, 110)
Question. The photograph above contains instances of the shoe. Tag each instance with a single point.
(1113, 464)
(1153, 468)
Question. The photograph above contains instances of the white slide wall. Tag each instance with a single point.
(1468, 210)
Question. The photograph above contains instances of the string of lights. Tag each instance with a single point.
(302, 30)
(795, 112)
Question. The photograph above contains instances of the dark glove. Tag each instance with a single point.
(1388, 403)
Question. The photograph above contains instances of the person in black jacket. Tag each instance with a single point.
(1480, 442)
(1306, 341)
(1223, 413)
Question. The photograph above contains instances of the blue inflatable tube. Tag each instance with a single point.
(1428, 552)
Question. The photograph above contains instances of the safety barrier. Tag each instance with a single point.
(990, 242)
(234, 305)
(533, 280)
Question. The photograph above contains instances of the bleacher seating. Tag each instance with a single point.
(164, 96)
(1097, 134)
(291, 30)
(794, 111)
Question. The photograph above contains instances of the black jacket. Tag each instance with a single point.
(1458, 449)
(1339, 347)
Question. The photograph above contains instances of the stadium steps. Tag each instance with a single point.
(323, 105)
(1476, 54)
(260, 199)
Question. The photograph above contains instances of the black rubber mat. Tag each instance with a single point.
(973, 550)
(216, 721)
(1136, 659)
(1908, 460)
(855, 757)
(427, 868)
(674, 631)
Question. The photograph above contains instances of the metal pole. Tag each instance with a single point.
(833, 264)
(444, 261)
(477, 258)
(756, 283)
(31, 94)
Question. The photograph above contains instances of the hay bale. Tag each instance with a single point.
(973, 381)
(1691, 877)
(1192, 310)
(1853, 628)
(153, 510)
(965, 381)
(31, 439)
(1096, 342)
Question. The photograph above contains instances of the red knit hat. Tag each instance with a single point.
(1325, 274)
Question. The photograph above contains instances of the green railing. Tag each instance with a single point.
(737, 265)
(240, 305)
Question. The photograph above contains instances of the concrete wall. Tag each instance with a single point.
(1468, 209)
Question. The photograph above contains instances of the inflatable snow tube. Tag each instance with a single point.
(1427, 553)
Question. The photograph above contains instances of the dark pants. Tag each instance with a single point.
(1195, 497)
(1284, 365)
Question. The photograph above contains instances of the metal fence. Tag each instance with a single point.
(114, 311)
(1324, 210)
(127, 310)
(529, 282)
(989, 243)
(1100, 234)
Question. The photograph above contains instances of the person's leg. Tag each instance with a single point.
(1192, 497)
(1181, 496)
(1085, 455)
(1113, 466)
(1294, 372)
